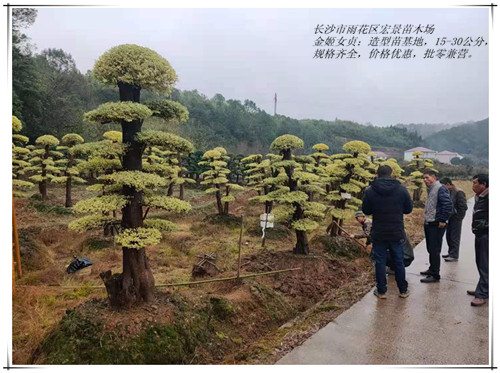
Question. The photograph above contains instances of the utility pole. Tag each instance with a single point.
(275, 102)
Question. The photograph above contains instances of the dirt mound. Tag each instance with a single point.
(229, 220)
(174, 329)
(34, 253)
(94, 334)
(181, 241)
(278, 232)
(338, 246)
(318, 274)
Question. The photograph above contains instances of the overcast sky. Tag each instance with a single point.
(253, 53)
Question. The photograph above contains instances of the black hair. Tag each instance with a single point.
(430, 172)
(384, 171)
(446, 180)
(482, 179)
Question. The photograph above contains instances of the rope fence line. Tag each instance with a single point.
(249, 275)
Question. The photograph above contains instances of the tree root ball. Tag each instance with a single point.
(339, 246)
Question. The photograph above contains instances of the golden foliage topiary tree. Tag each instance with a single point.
(292, 187)
(20, 160)
(349, 174)
(133, 68)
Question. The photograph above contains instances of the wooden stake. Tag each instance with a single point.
(13, 279)
(239, 247)
(17, 252)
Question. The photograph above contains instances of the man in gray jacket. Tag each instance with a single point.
(438, 208)
(454, 227)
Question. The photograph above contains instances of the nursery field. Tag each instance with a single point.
(252, 320)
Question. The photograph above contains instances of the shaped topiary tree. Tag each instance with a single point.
(174, 147)
(319, 155)
(292, 185)
(68, 165)
(100, 157)
(133, 68)
(313, 177)
(258, 172)
(417, 165)
(167, 158)
(193, 167)
(397, 171)
(235, 167)
(42, 163)
(216, 177)
(321, 160)
(20, 160)
(349, 174)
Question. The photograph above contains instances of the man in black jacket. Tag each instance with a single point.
(387, 200)
(454, 227)
(438, 208)
(480, 228)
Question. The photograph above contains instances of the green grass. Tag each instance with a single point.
(50, 209)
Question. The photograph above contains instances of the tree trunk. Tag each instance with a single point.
(416, 194)
(302, 245)
(71, 161)
(42, 185)
(226, 204)
(334, 229)
(220, 209)
(170, 190)
(181, 192)
(136, 283)
(69, 202)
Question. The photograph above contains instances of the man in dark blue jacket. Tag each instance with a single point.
(387, 200)
(438, 208)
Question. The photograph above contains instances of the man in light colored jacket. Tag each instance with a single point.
(438, 208)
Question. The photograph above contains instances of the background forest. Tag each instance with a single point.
(50, 96)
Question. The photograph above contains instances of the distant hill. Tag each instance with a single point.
(427, 129)
(242, 127)
(469, 139)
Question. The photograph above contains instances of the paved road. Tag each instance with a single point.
(435, 325)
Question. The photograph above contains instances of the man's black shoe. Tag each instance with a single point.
(451, 259)
(471, 292)
(445, 255)
(425, 273)
(429, 279)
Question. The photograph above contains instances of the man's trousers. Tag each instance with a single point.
(453, 233)
(482, 257)
(434, 241)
